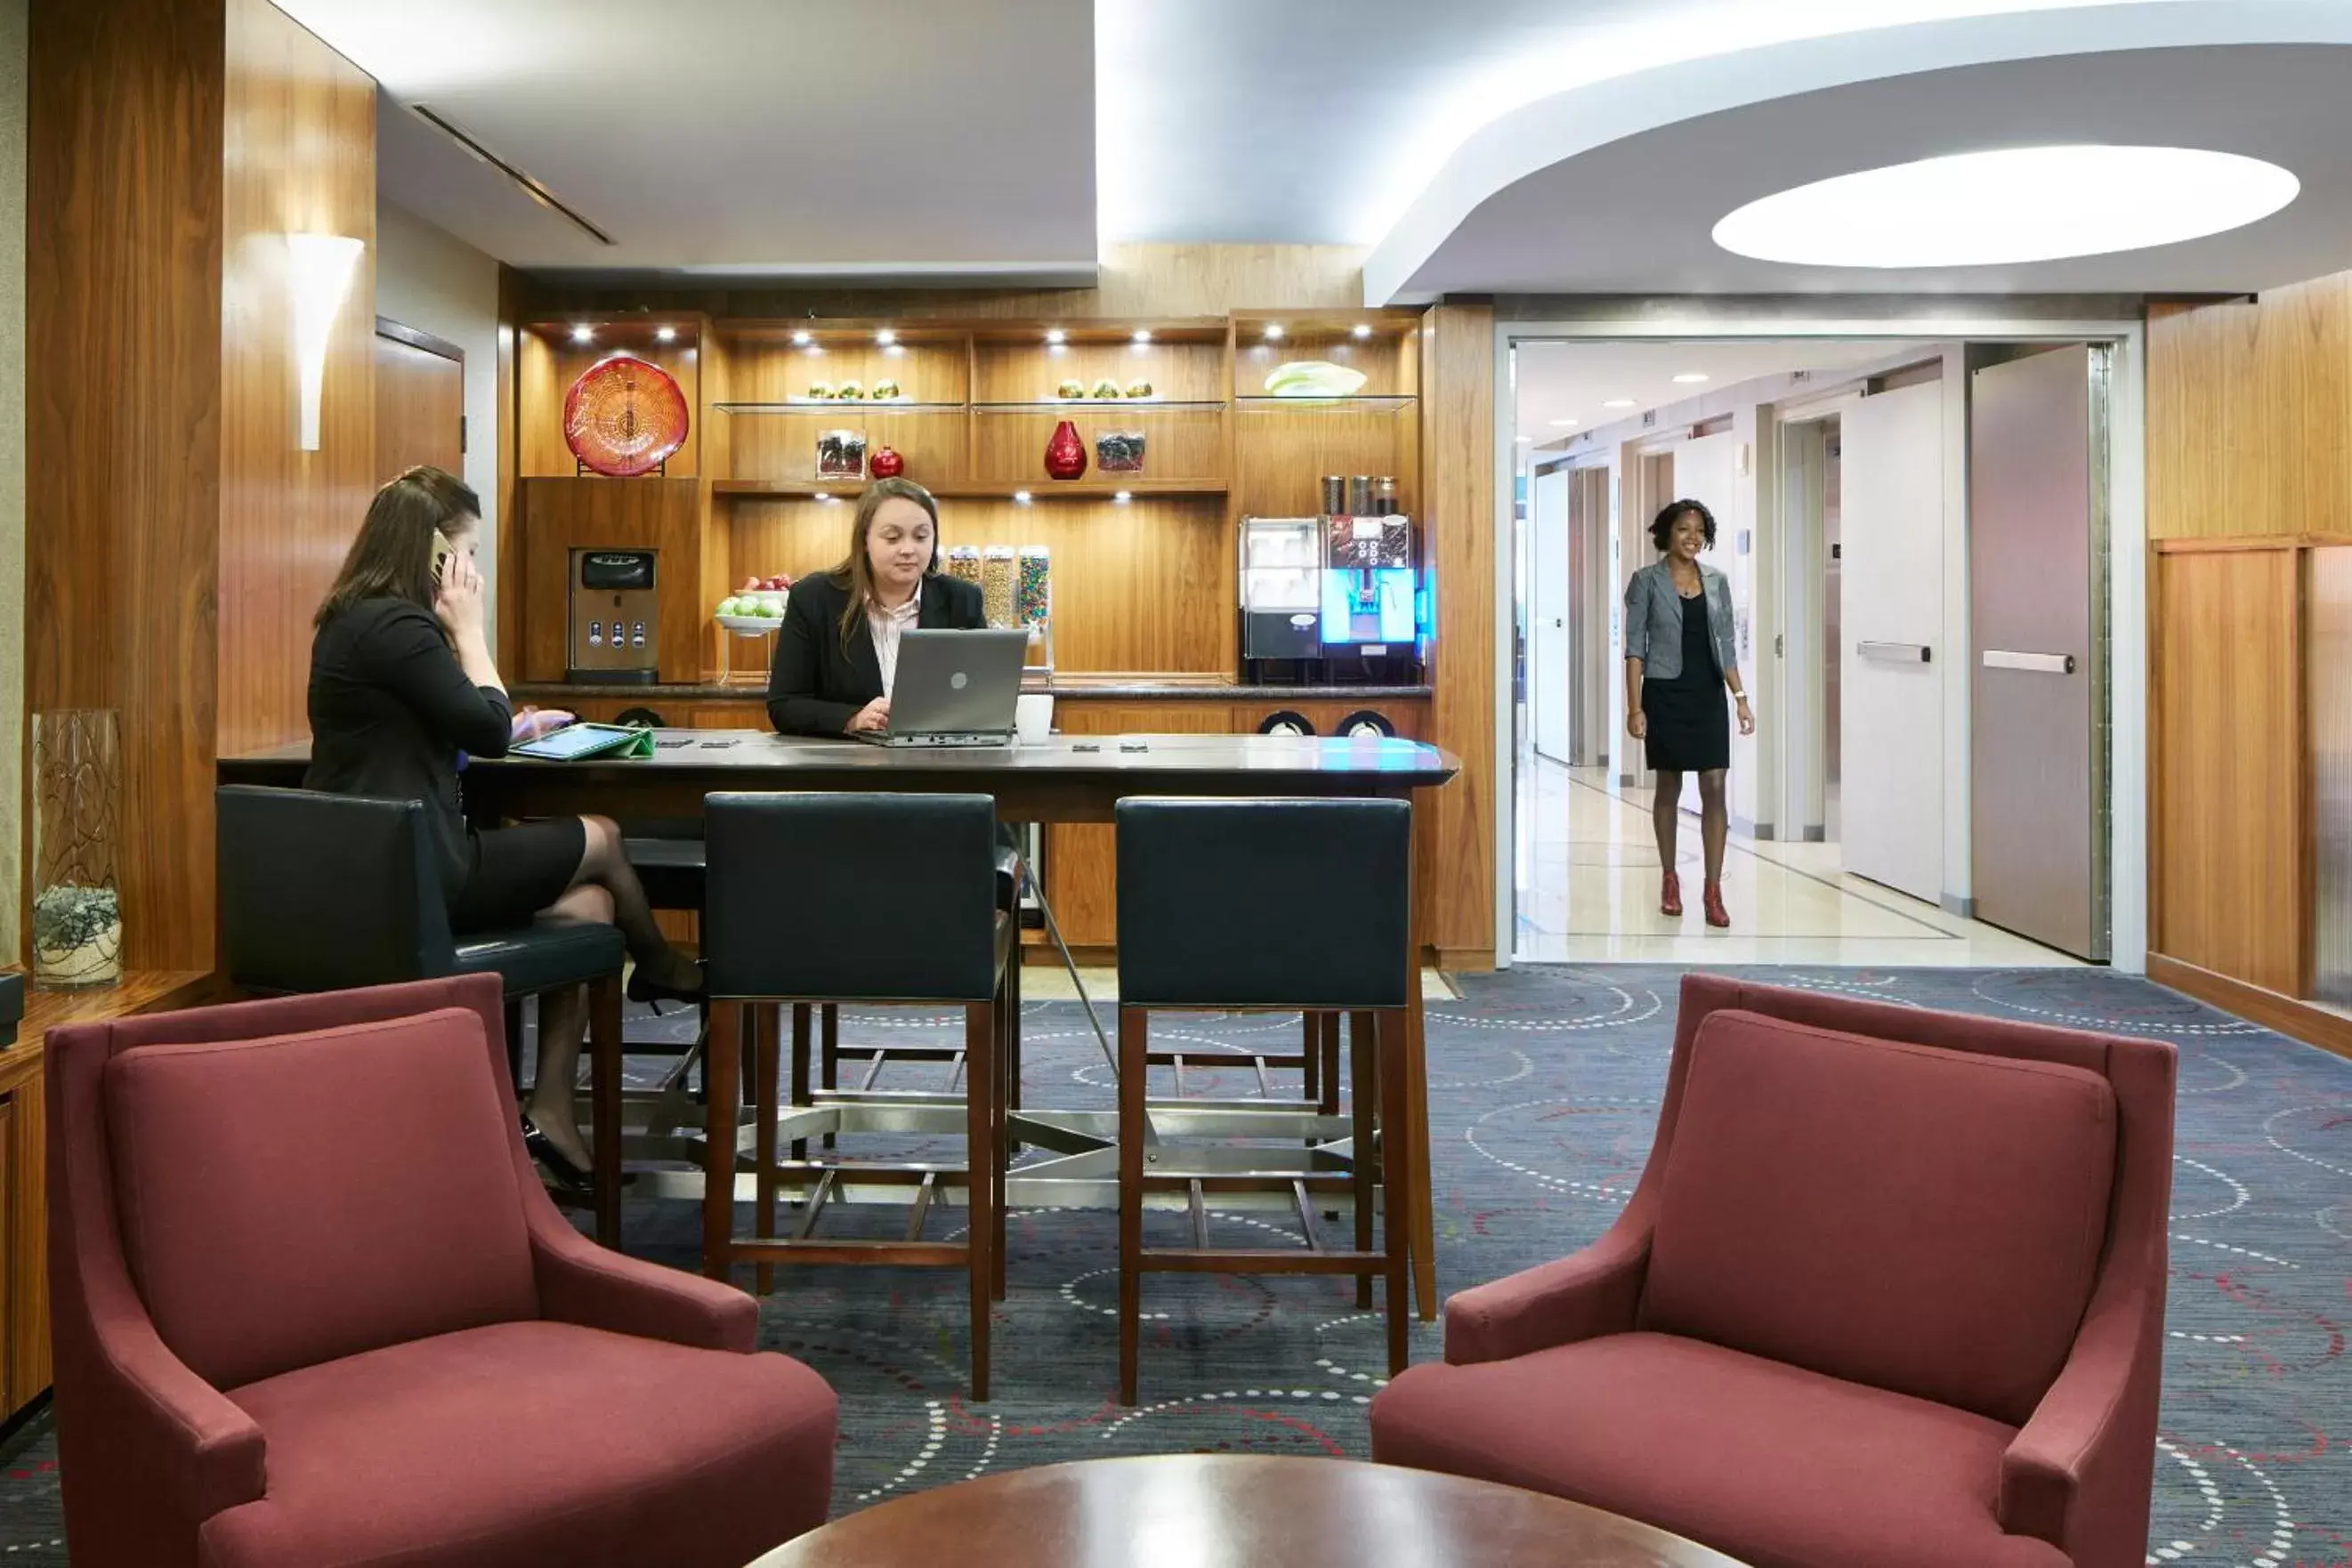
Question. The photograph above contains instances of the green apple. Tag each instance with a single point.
(729, 608)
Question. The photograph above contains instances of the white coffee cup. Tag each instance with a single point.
(1032, 717)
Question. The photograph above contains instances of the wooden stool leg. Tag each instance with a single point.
(1329, 1102)
(1364, 1068)
(979, 1185)
(514, 1042)
(1411, 1120)
(604, 1103)
(1012, 1031)
(800, 1071)
(1134, 1044)
(1310, 1048)
(767, 1047)
(1390, 1033)
(999, 1158)
(830, 1073)
(722, 1069)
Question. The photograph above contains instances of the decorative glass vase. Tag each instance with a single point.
(1065, 455)
(76, 795)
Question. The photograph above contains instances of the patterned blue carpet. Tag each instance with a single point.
(1544, 1087)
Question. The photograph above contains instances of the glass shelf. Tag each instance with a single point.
(840, 405)
(1360, 403)
(1104, 405)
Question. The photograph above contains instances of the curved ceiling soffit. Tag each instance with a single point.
(1554, 128)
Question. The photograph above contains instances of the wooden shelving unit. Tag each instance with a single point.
(1145, 564)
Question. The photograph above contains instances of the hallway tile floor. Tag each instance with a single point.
(1588, 892)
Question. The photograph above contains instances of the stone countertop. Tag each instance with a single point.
(557, 693)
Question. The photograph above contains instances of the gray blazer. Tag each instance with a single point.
(1654, 621)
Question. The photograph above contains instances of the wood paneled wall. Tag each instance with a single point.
(301, 158)
(1455, 859)
(559, 516)
(2249, 469)
(175, 539)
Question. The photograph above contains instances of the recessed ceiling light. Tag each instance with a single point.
(886, 337)
(583, 333)
(822, 495)
(664, 334)
(1143, 334)
(1056, 335)
(2012, 204)
(1691, 378)
(1021, 496)
(1360, 330)
(1123, 497)
(800, 339)
(1527, 440)
(1273, 331)
(1564, 423)
(1619, 402)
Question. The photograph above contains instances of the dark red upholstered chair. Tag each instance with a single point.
(312, 1306)
(1890, 1290)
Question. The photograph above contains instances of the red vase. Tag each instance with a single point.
(1065, 455)
(886, 464)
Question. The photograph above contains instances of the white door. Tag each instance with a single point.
(1892, 657)
(1547, 609)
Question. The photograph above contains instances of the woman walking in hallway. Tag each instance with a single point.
(1679, 659)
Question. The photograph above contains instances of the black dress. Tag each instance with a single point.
(1690, 726)
(391, 711)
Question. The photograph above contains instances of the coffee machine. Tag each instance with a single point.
(616, 625)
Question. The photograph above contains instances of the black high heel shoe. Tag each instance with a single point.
(644, 987)
(554, 1160)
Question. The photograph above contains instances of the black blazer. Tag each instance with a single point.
(816, 687)
(391, 709)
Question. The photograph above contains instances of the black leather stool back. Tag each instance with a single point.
(851, 897)
(322, 892)
(1264, 903)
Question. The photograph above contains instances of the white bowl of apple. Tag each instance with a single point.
(757, 608)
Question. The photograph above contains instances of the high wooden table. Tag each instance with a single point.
(1237, 1511)
(1072, 778)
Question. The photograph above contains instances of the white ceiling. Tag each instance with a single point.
(1636, 215)
(1473, 146)
(1576, 380)
(748, 136)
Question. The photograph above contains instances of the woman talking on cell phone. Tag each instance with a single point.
(1679, 661)
(402, 683)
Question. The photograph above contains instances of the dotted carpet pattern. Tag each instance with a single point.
(1544, 1086)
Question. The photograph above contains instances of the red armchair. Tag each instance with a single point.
(312, 1307)
(1890, 1289)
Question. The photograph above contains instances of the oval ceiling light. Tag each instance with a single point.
(2012, 205)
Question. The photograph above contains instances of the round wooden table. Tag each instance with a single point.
(1193, 1510)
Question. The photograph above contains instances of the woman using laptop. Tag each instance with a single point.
(402, 687)
(837, 651)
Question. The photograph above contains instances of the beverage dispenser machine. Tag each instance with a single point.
(1282, 559)
(616, 625)
(1368, 598)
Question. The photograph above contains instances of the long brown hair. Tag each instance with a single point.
(856, 572)
(393, 556)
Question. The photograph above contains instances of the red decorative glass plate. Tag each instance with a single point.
(624, 416)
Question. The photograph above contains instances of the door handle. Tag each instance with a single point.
(2038, 663)
(1897, 652)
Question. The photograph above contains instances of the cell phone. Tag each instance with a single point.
(441, 551)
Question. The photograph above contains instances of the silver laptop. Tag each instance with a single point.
(954, 689)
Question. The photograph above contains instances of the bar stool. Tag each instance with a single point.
(1259, 906)
(328, 892)
(888, 899)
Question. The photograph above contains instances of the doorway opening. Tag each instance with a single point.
(1837, 471)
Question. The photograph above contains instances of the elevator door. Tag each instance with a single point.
(1890, 628)
(2037, 790)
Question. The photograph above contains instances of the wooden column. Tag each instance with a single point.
(1454, 862)
(177, 541)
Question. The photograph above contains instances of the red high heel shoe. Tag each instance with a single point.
(1716, 915)
(1670, 895)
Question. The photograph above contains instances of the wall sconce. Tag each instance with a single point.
(321, 267)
